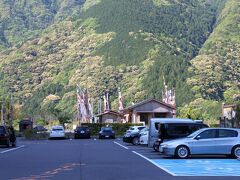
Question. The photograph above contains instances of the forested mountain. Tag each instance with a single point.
(216, 69)
(49, 46)
(24, 19)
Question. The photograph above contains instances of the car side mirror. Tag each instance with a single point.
(198, 137)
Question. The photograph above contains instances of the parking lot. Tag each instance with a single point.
(86, 159)
(193, 166)
(6, 150)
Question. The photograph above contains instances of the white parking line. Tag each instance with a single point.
(120, 145)
(12, 149)
(149, 160)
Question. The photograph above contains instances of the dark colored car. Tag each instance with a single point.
(133, 137)
(7, 136)
(82, 132)
(106, 132)
(39, 128)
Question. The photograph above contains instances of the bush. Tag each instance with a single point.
(119, 128)
(33, 135)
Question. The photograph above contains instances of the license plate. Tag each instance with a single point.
(106, 136)
(82, 132)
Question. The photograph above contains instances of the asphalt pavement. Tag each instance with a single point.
(91, 159)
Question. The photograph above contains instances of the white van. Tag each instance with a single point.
(186, 126)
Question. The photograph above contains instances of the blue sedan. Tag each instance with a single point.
(207, 141)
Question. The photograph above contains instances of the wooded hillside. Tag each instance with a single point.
(49, 46)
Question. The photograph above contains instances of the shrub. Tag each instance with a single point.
(33, 135)
(119, 128)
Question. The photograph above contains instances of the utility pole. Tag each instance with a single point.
(11, 109)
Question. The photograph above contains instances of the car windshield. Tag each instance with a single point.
(82, 128)
(143, 130)
(106, 129)
(2, 130)
(193, 134)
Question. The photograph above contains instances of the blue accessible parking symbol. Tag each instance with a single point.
(200, 167)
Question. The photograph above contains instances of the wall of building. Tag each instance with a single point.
(110, 118)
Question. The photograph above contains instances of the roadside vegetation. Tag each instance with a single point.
(47, 47)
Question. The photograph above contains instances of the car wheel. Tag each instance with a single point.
(14, 144)
(182, 152)
(236, 152)
(135, 141)
(8, 144)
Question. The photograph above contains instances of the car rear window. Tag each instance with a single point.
(2, 130)
(82, 128)
(106, 129)
(224, 133)
(57, 129)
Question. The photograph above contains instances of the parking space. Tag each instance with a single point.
(200, 167)
(4, 150)
(194, 166)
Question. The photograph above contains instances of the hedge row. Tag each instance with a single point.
(119, 128)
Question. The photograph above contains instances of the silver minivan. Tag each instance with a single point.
(154, 124)
(179, 128)
(207, 141)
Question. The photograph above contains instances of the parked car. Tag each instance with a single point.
(40, 128)
(57, 132)
(224, 141)
(144, 137)
(106, 132)
(82, 132)
(133, 129)
(133, 136)
(165, 129)
(7, 136)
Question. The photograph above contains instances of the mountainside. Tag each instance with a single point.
(49, 46)
(24, 19)
(216, 70)
(217, 67)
